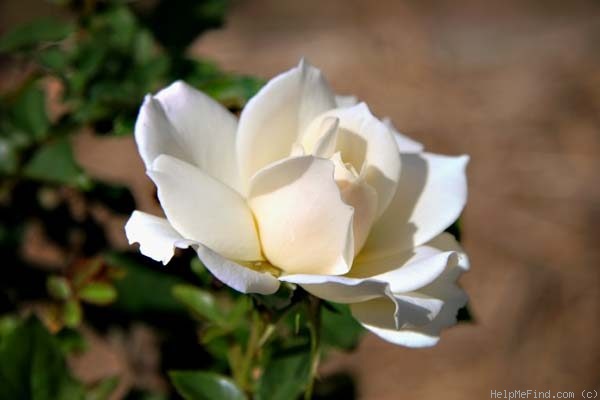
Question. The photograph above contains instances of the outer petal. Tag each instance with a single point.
(203, 209)
(403, 272)
(405, 144)
(345, 100)
(432, 191)
(239, 277)
(158, 240)
(381, 318)
(367, 144)
(304, 225)
(273, 119)
(185, 123)
(156, 236)
(378, 317)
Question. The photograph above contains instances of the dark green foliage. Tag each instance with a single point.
(338, 328)
(284, 377)
(142, 289)
(202, 385)
(35, 33)
(104, 60)
(32, 366)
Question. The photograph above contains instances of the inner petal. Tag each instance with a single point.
(352, 147)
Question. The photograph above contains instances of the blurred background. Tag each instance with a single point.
(514, 84)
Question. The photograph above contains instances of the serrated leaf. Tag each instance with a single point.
(54, 162)
(34, 33)
(200, 302)
(202, 385)
(33, 367)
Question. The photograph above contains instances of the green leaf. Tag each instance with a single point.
(58, 287)
(71, 341)
(199, 302)
(35, 33)
(202, 385)
(72, 313)
(339, 328)
(143, 289)
(99, 293)
(55, 163)
(201, 272)
(32, 366)
(103, 389)
(53, 58)
(117, 198)
(29, 112)
(284, 377)
(8, 323)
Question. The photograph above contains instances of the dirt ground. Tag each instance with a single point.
(517, 86)
(514, 84)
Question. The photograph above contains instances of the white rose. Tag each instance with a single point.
(310, 190)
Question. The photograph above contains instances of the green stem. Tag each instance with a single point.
(314, 327)
(251, 350)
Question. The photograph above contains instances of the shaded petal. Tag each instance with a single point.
(391, 323)
(403, 272)
(273, 119)
(342, 101)
(325, 146)
(236, 276)
(431, 194)
(304, 225)
(378, 316)
(405, 144)
(158, 240)
(365, 143)
(205, 210)
(185, 123)
(363, 198)
(156, 236)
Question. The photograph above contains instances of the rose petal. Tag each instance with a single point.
(325, 147)
(273, 119)
(158, 240)
(187, 124)
(432, 191)
(405, 144)
(378, 316)
(205, 210)
(403, 272)
(345, 100)
(304, 225)
(382, 318)
(239, 277)
(365, 143)
(156, 236)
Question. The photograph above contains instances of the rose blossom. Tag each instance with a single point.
(307, 188)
